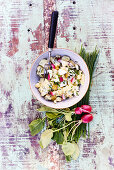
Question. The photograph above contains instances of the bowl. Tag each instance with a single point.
(34, 78)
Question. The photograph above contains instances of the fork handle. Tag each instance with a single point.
(54, 18)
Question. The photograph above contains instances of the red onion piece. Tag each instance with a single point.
(87, 118)
(86, 108)
(78, 111)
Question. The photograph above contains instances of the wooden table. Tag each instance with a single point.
(24, 27)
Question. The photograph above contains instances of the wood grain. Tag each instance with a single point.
(24, 34)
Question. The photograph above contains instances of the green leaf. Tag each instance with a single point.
(76, 153)
(68, 158)
(41, 144)
(36, 126)
(58, 137)
(47, 109)
(65, 135)
(68, 148)
(46, 138)
(51, 115)
(68, 116)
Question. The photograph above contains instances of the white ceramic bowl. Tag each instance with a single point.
(33, 79)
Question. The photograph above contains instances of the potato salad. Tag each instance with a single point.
(63, 80)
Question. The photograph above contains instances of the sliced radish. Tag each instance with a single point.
(61, 79)
(48, 76)
(63, 97)
(72, 80)
(52, 94)
(87, 118)
(53, 66)
(59, 60)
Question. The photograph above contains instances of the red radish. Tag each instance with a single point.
(87, 118)
(61, 79)
(48, 76)
(86, 108)
(51, 93)
(53, 66)
(72, 80)
(78, 111)
(59, 60)
(63, 97)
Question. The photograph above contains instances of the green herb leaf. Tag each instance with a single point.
(46, 138)
(51, 115)
(36, 126)
(68, 116)
(76, 153)
(58, 137)
(46, 109)
(68, 158)
(65, 135)
(68, 148)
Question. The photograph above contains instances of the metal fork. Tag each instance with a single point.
(54, 18)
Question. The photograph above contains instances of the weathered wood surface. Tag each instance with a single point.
(24, 29)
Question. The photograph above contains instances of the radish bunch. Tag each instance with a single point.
(86, 109)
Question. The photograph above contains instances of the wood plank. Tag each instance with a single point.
(24, 27)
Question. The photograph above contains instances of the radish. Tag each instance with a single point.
(59, 59)
(61, 79)
(48, 76)
(78, 111)
(53, 66)
(51, 93)
(86, 108)
(83, 108)
(63, 97)
(87, 118)
(72, 80)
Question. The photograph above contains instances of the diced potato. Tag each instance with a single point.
(42, 80)
(58, 56)
(40, 71)
(43, 62)
(66, 75)
(57, 63)
(52, 60)
(48, 97)
(65, 58)
(64, 63)
(55, 87)
(57, 67)
(53, 97)
(79, 77)
(58, 99)
(37, 85)
(62, 71)
(72, 63)
(77, 66)
(50, 73)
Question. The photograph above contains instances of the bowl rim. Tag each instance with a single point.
(42, 54)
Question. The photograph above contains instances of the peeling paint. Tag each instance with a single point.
(24, 33)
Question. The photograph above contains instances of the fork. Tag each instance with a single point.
(54, 18)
